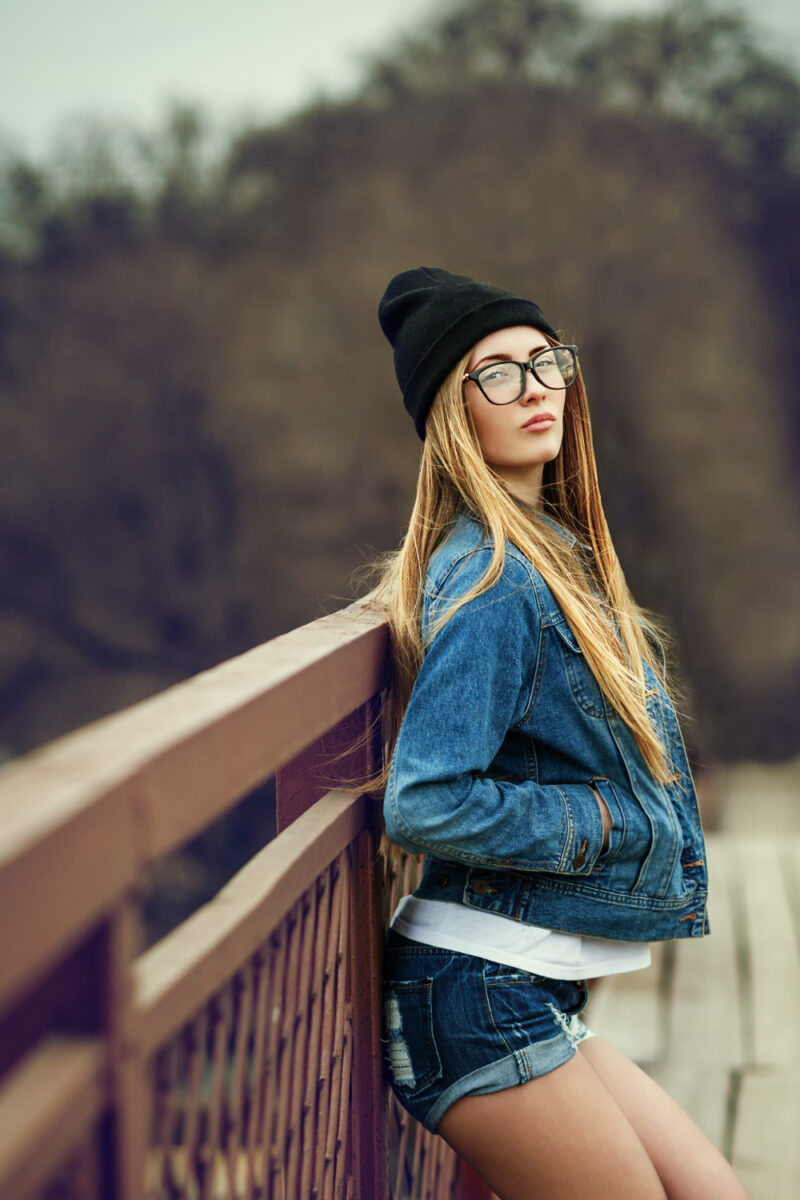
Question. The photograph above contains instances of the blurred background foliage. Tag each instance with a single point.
(201, 433)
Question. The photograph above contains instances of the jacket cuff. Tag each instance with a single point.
(586, 844)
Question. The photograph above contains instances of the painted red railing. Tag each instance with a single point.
(240, 1056)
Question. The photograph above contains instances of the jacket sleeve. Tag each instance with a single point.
(474, 685)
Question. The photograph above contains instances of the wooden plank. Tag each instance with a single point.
(65, 857)
(239, 723)
(760, 797)
(705, 1016)
(627, 1010)
(772, 951)
(175, 977)
(49, 1104)
(766, 1146)
(338, 758)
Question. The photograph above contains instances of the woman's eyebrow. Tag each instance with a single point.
(493, 358)
(498, 356)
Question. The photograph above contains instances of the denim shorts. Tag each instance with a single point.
(457, 1025)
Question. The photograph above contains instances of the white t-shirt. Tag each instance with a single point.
(541, 951)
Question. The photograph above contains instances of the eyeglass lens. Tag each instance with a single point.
(505, 381)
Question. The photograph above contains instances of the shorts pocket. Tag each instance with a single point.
(503, 973)
(411, 1051)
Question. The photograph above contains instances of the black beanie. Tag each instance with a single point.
(432, 318)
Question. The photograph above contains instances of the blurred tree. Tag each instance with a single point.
(508, 40)
(118, 507)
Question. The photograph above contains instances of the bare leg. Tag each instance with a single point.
(688, 1163)
(557, 1137)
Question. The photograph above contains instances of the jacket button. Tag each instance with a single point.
(580, 858)
(482, 887)
(442, 880)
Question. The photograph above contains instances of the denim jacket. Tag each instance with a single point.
(506, 733)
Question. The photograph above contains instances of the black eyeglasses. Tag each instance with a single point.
(503, 382)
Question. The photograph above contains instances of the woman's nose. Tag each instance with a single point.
(533, 390)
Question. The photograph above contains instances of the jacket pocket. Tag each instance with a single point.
(631, 819)
(585, 689)
(651, 840)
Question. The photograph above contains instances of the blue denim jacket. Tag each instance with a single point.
(505, 734)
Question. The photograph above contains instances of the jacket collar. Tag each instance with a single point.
(566, 534)
(556, 526)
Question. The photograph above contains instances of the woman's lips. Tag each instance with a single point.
(540, 421)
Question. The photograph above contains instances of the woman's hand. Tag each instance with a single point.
(606, 815)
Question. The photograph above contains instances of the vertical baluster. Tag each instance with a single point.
(299, 1049)
(158, 1152)
(315, 1045)
(256, 1092)
(172, 1116)
(419, 1146)
(343, 1159)
(270, 1082)
(447, 1179)
(331, 1003)
(232, 1143)
(341, 969)
(345, 1143)
(369, 1098)
(195, 1049)
(436, 1172)
(215, 1108)
(427, 1173)
(283, 1082)
(403, 1123)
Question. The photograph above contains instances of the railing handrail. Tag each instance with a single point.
(58, 1090)
(83, 816)
(242, 1054)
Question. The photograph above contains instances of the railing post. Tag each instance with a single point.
(339, 757)
(346, 754)
(130, 1090)
(369, 1097)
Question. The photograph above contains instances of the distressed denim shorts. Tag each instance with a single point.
(457, 1025)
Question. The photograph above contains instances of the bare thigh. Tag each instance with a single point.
(554, 1138)
(688, 1163)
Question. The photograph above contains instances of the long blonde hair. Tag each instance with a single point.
(454, 477)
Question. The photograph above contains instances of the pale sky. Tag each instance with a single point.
(237, 58)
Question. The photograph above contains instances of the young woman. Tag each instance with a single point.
(537, 763)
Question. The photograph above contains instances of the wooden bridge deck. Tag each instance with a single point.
(717, 1021)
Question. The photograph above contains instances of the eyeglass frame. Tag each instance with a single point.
(526, 366)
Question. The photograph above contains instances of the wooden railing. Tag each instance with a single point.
(241, 1055)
